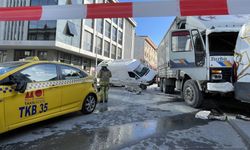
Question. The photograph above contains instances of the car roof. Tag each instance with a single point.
(28, 63)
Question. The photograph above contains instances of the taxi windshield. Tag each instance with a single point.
(8, 66)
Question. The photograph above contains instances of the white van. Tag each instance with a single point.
(129, 71)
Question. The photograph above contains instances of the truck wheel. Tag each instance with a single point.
(89, 104)
(192, 94)
(143, 87)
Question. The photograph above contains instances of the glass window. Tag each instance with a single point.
(3, 56)
(98, 47)
(89, 1)
(65, 58)
(198, 45)
(69, 73)
(8, 66)
(89, 23)
(42, 55)
(107, 29)
(113, 52)
(120, 37)
(119, 53)
(99, 25)
(100, 1)
(20, 54)
(114, 34)
(87, 64)
(115, 20)
(70, 29)
(120, 22)
(43, 2)
(39, 73)
(88, 41)
(75, 60)
(106, 48)
(35, 2)
(52, 2)
(181, 41)
(42, 30)
(141, 70)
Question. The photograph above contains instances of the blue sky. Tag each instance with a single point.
(155, 27)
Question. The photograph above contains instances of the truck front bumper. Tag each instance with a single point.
(223, 87)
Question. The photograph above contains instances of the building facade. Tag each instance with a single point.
(78, 42)
(146, 51)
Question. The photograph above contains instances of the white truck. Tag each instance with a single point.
(196, 56)
(129, 72)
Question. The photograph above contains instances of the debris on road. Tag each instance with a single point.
(134, 89)
(221, 117)
(203, 115)
(242, 117)
(209, 115)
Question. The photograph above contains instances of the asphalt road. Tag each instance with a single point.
(152, 120)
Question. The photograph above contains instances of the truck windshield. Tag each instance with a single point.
(6, 67)
(222, 42)
(141, 70)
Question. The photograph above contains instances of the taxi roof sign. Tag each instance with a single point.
(30, 59)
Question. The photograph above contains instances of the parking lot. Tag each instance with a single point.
(152, 120)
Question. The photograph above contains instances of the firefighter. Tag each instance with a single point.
(104, 75)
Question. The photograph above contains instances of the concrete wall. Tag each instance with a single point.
(139, 48)
(129, 40)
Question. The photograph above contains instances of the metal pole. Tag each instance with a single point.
(96, 63)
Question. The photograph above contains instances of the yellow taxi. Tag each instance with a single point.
(33, 90)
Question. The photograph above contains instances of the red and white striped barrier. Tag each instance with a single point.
(128, 9)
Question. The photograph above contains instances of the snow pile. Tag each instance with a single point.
(203, 115)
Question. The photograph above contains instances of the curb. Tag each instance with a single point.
(241, 133)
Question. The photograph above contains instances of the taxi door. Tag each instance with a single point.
(41, 99)
(2, 119)
(75, 89)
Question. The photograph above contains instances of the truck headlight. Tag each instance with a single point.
(216, 76)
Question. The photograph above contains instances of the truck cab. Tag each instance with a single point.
(199, 56)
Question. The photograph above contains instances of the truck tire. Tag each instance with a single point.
(192, 94)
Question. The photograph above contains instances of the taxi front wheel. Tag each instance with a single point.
(89, 104)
